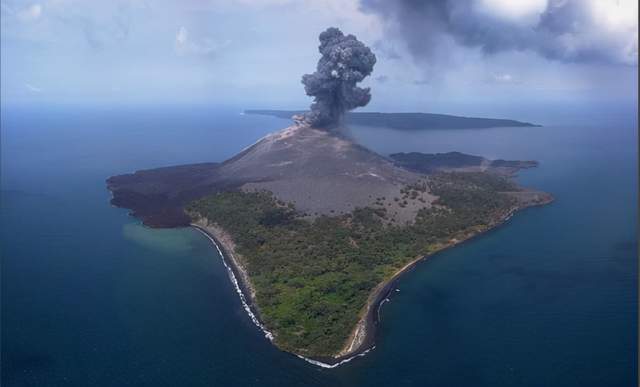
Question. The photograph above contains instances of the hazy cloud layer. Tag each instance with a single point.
(564, 30)
(186, 44)
(466, 56)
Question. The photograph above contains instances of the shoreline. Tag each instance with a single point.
(362, 337)
(244, 288)
(235, 271)
(363, 342)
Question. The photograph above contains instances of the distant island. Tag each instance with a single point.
(407, 121)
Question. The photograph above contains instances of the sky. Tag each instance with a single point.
(474, 57)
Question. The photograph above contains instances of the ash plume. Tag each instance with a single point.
(345, 61)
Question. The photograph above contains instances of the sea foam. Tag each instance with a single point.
(325, 365)
(236, 284)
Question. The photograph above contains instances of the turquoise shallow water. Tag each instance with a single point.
(90, 297)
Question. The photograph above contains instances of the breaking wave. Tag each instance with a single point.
(341, 362)
(236, 284)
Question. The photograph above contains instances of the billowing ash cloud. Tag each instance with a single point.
(345, 61)
(564, 30)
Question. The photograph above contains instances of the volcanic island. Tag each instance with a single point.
(315, 228)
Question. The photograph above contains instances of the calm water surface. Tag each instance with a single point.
(91, 298)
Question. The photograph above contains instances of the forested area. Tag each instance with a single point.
(313, 277)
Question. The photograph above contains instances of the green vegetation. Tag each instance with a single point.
(313, 277)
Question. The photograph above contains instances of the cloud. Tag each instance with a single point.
(384, 49)
(186, 45)
(503, 78)
(522, 11)
(583, 31)
(31, 13)
(101, 24)
(506, 78)
(32, 88)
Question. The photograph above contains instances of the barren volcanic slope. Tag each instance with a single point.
(318, 171)
(317, 226)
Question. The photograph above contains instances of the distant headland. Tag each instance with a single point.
(407, 121)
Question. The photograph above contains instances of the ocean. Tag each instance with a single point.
(92, 298)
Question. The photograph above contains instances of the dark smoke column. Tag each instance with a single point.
(345, 61)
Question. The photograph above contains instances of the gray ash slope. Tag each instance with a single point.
(319, 171)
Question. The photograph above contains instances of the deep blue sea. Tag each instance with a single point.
(92, 298)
